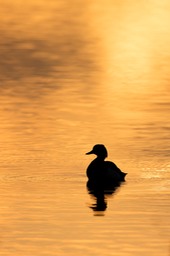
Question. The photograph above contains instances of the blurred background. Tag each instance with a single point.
(74, 74)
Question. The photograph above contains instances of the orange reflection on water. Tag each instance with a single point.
(132, 43)
(75, 74)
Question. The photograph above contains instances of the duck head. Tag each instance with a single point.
(99, 150)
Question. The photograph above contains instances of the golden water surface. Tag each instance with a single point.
(73, 74)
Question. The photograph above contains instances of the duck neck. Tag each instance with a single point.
(101, 158)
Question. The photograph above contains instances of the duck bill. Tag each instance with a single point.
(90, 152)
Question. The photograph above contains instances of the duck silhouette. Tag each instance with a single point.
(103, 174)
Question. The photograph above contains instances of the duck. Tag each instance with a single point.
(103, 173)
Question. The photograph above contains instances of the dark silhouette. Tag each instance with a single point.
(104, 177)
(101, 173)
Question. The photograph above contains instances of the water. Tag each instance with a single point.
(74, 74)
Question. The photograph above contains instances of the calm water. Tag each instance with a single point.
(73, 74)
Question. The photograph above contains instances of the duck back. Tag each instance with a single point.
(113, 172)
(104, 173)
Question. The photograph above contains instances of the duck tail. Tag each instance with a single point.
(123, 175)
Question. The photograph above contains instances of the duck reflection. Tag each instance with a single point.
(100, 195)
(104, 177)
(101, 203)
